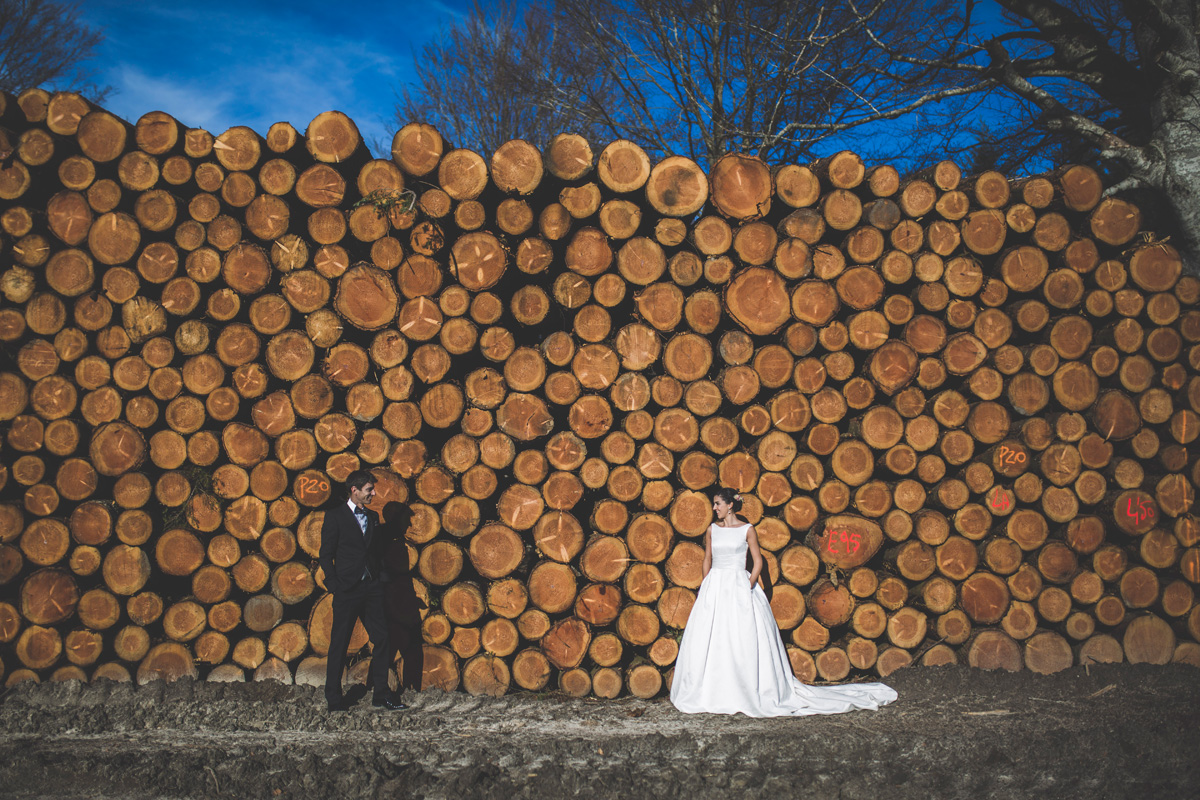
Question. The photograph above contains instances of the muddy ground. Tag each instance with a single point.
(1112, 731)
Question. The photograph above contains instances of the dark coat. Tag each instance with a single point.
(345, 552)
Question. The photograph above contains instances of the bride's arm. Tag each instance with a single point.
(707, 565)
(755, 555)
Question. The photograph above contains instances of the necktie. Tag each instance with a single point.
(361, 516)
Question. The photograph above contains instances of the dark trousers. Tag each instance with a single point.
(363, 601)
(407, 641)
(404, 628)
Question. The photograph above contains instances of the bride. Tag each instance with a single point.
(731, 658)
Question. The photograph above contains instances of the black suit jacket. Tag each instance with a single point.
(345, 552)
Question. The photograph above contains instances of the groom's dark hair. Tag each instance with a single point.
(358, 479)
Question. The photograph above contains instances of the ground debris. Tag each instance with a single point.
(954, 732)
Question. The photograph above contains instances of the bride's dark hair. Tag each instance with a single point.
(731, 497)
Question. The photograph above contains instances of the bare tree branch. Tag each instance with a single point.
(44, 43)
(699, 77)
(1109, 81)
(497, 76)
(1057, 113)
(1079, 47)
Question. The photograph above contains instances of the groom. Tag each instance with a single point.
(354, 574)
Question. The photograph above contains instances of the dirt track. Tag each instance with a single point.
(1120, 731)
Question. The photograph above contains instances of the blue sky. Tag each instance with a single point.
(220, 63)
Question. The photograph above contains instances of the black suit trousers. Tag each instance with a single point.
(365, 601)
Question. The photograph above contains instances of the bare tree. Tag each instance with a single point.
(703, 77)
(1014, 84)
(694, 77)
(44, 43)
(492, 78)
(1114, 81)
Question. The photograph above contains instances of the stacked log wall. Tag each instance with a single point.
(961, 409)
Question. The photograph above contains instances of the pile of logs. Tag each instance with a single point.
(960, 409)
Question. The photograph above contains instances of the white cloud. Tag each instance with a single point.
(252, 63)
(195, 102)
(295, 82)
(265, 86)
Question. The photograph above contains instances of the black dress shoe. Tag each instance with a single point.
(339, 705)
(390, 703)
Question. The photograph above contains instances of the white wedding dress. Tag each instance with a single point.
(731, 658)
